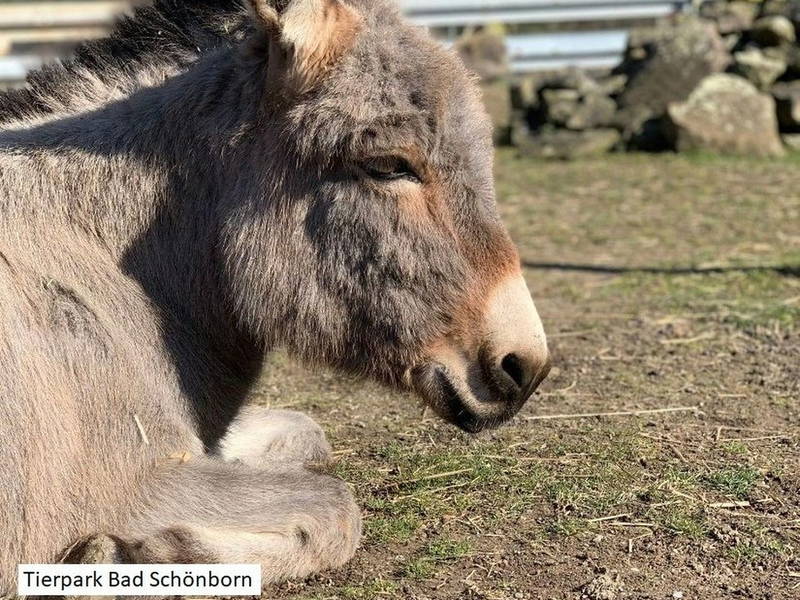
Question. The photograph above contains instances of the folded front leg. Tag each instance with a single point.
(274, 438)
(293, 522)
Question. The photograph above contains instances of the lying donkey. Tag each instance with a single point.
(323, 184)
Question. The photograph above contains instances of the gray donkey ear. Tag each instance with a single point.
(312, 34)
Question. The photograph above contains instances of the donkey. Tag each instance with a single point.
(319, 181)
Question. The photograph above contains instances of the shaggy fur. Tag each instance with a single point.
(156, 41)
(169, 215)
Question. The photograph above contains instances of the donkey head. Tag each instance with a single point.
(366, 235)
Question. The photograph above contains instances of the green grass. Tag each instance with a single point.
(742, 299)
(736, 482)
(441, 551)
(375, 589)
(691, 524)
(759, 546)
(617, 472)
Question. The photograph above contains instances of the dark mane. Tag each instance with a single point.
(156, 39)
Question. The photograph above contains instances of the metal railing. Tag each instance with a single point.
(448, 13)
(27, 25)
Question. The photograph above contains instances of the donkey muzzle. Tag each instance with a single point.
(481, 390)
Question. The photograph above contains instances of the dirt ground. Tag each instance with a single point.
(665, 283)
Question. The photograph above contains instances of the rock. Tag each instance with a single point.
(573, 79)
(788, 53)
(725, 114)
(792, 141)
(525, 92)
(559, 104)
(730, 17)
(774, 30)
(594, 110)
(603, 587)
(760, 69)
(731, 41)
(784, 8)
(566, 144)
(497, 100)
(787, 99)
(665, 64)
(613, 84)
(484, 52)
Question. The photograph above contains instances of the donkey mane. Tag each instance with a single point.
(154, 42)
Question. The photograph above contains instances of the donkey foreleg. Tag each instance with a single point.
(274, 438)
(294, 522)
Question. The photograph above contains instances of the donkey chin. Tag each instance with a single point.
(485, 387)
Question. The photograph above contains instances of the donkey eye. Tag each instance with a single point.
(389, 168)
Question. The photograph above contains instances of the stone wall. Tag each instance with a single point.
(726, 81)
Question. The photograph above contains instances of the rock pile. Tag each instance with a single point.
(726, 80)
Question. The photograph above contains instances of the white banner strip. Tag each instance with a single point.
(139, 580)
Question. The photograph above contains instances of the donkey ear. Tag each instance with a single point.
(313, 35)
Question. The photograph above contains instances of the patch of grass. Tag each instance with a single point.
(735, 448)
(376, 588)
(424, 485)
(752, 551)
(425, 565)
(686, 522)
(419, 568)
(681, 478)
(742, 299)
(391, 529)
(448, 549)
(737, 482)
(567, 526)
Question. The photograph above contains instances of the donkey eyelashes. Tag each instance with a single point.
(389, 168)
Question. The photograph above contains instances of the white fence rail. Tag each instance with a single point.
(447, 13)
(36, 22)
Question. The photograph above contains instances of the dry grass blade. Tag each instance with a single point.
(610, 518)
(698, 338)
(142, 432)
(742, 504)
(622, 413)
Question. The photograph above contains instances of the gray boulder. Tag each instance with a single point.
(787, 100)
(759, 68)
(792, 141)
(640, 129)
(725, 114)
(594, 110)
(789, 54)
(730, 17)
(774, 30)
(559, 104)
(573, 79)
(612, 85)
(484, 53)
(665, 64)
(525, 91)
(566, 145)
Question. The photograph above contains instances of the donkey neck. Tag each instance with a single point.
(143, 177)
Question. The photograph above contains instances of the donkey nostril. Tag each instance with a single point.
(513, 367)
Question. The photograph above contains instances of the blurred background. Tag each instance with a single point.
(648, 169)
